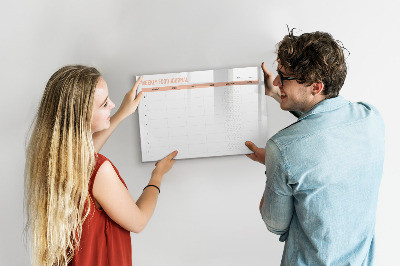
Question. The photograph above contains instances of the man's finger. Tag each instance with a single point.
(265, 69)
(251, 146)
(262, 66)
(251, 156)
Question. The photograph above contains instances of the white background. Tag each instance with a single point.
(208, 208)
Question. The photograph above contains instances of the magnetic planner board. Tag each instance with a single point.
(202, 113)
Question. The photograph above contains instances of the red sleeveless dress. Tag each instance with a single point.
(103, 241)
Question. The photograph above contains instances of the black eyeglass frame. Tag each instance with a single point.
(282, 78)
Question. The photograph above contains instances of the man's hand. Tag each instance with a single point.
(270, 89)
(259, 153)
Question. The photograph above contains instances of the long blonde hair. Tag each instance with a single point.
(59, 161)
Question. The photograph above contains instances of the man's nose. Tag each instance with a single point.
(277, 81)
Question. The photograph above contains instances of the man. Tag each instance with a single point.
(323, 171)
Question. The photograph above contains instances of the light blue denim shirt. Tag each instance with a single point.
(323, 176)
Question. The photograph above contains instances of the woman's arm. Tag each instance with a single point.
(128, 107)
(116, 201)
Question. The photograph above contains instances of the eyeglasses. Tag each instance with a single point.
(282, 78)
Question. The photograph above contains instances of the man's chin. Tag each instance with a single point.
(284, 107)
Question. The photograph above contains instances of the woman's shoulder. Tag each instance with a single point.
(100, 158)
(105, 167)
(102, 164)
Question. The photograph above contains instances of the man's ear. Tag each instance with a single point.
(317, 88)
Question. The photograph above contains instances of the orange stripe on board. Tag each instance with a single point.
(201, 85)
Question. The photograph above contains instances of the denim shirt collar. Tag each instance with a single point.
(325, 106)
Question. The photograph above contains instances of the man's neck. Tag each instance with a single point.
(316, 100)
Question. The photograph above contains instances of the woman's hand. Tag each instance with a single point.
(131, 101)
(270, 89)
(128, 107)
(164, 165)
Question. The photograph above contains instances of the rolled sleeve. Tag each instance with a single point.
(277, 209)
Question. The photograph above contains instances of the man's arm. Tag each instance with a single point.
(276, 206)
(276, 211)
(274, 91)
(261, 203)
(270, 89)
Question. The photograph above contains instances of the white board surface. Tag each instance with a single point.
(201, 113)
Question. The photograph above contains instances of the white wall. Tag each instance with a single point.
(208, 208)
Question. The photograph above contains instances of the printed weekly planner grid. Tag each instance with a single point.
(202, 113)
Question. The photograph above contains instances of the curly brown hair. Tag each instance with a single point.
(314, 57)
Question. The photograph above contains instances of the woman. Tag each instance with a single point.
(78, 207)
